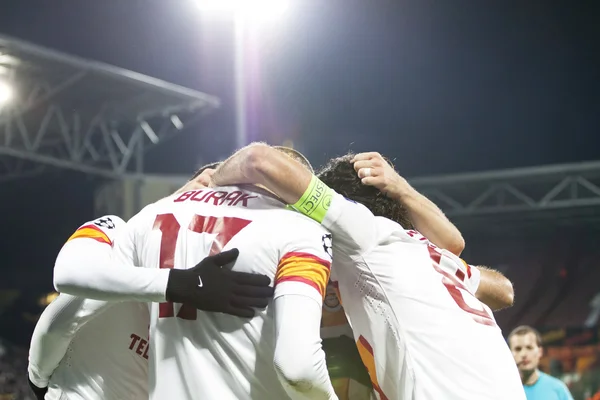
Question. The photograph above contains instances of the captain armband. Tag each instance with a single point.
(315, 201)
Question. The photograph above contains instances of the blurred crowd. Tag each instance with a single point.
(13, 374)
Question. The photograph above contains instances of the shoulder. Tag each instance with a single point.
(103, 229)
(560, 385)
(554, 382)
(298, 231)
(147, 213)
(106, 222)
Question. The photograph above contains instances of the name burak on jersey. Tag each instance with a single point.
(217, 197)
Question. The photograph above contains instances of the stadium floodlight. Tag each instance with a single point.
(249, 17)
(6, 93)
(252, 10)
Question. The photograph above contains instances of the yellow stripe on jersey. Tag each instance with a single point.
(366, 355)
(306, 268)
(91, 232)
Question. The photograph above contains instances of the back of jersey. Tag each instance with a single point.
(196, 354)
(419, 328)
(106, 358)
(449, 340)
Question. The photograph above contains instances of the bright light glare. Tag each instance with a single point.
(6, 59)
(6, 92)
(249, 9)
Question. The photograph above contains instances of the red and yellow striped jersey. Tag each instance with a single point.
(306, 268)
(101, 230)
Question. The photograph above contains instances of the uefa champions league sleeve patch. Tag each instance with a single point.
(105, 222)
(327, 244)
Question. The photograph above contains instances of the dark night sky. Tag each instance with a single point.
(442, 86)
(494, 86)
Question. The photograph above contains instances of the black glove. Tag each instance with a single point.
(213, 286)
(38, 392)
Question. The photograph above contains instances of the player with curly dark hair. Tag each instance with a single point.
(339, 175)
(413, 306)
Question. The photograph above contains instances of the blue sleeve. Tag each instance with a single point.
(563, 392)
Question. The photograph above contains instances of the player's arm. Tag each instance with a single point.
(490, 287)
(426, 217)
(495, 290)
(85, 267)
(261, 164)
(352, 224)
(300, 284)
(54, 332)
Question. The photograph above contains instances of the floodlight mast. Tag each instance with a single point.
(250, 10)
(246, 14)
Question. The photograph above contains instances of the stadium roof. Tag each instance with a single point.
(564, 194)
(504, 202)
(84, 115)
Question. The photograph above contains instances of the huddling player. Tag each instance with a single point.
(98, 349)
(419, 326)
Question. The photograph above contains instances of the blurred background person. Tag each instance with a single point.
(526, 345)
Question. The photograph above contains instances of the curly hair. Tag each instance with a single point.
(339, 174)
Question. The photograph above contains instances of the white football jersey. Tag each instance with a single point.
(108, 356)
(213, 356)
(420, 330)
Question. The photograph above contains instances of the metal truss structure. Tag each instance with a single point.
(568, 192)
(555, 195)
(85, 116)
(98, 119)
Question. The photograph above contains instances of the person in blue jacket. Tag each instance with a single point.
(526, 345)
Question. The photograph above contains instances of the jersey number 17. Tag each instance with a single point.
(225, 228)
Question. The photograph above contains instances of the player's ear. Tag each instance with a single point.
(541, 351)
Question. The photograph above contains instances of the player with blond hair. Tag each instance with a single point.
(277, 354)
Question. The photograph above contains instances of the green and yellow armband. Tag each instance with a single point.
(315, 202)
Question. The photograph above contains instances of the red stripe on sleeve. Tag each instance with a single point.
(300, 279)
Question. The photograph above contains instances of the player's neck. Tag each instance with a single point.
(530, 377)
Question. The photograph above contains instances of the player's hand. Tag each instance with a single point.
(374, 170)
(205, 177)
(200, 182)
(213, 286)
(38, 392)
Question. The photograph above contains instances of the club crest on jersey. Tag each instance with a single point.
(105, 222)
(327, 243)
